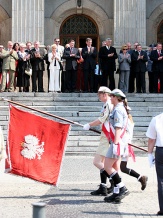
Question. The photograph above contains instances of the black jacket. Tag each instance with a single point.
(139, 65)
(71, 62)
(89, 58)
(107, 63)
(157, 64)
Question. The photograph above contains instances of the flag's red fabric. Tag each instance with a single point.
(36, 145)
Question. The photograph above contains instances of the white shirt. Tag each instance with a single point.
(155, 130)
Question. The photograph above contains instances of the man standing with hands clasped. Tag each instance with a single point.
(89, 54)
(154, 133)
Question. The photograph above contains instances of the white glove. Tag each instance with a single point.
(86, 126)
(115, 148)
(151, 160)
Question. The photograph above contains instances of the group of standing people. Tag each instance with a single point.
(133, 64)
(16, 60)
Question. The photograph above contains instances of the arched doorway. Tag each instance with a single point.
(79, 27)
(160, 32)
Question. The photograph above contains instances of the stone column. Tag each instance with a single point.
(28, 20)
(129, 22)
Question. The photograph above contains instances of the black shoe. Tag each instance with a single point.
(122, 193)
(143, 180)
(102, 190)
(159, 213)
(111, 198)
(116, 198)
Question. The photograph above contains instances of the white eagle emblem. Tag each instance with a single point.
(32, 148)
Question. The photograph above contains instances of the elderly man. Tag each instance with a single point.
(9, 57)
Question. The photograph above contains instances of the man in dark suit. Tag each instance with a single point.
(132, 76)
(71, 55)
(157, 67)
(108, 54)
(139, 59)
(37, 61)
(89, 55)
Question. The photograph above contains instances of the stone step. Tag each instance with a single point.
(83, 108)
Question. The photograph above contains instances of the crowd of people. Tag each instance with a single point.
(72, 69)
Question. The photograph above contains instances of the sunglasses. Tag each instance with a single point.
(125, 49)
(57, 41)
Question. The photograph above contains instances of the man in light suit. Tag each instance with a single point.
(9, 57)
(89, 54)
(71, 55)
(107, 55)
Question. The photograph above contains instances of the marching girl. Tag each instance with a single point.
(119, 139)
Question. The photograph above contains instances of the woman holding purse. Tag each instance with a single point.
(54, 81)
(23, 80)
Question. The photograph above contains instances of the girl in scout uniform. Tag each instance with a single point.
(119, 139)
(104, 96)
(129, 152)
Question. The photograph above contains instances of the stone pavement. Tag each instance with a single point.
(72, 199)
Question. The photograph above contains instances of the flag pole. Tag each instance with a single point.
(61, 118)
(51, 115)
(138, 147)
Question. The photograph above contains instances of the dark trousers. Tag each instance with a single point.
(89, 79)
(105, 75)
(140, 82)
(37, 75)
(158, 75)
(151, 81)
(159, 172)
(71, 77)
(63, 81)
(98, 80)
(132, 81)
(48, 71)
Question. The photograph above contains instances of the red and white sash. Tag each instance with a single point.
(109, 132)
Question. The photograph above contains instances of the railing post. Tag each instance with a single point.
(39, 210)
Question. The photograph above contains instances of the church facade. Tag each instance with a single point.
(44, 20)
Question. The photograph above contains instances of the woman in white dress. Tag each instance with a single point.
(54, 80)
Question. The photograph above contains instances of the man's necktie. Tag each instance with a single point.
(159, 53)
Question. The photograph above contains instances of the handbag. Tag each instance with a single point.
(28, 71)
(80, 60)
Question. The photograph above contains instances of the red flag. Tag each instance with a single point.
(36, 145)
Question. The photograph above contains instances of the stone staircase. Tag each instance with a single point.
(83, 108)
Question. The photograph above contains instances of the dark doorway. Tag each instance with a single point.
(79, 27)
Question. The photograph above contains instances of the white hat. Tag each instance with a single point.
(118, 92)
(104, 89)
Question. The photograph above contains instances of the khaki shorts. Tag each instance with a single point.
(103, 146)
